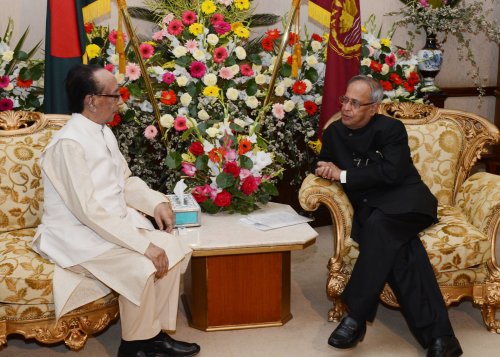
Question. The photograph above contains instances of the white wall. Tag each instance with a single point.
(32, 13)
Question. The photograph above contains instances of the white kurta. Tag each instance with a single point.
(90, 207)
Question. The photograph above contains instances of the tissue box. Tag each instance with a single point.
(187, 213)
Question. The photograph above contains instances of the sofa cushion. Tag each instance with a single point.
(452, 244)
(436, 148)
(21, 192)
(25, 277)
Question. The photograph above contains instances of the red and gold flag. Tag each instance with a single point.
(344, 49)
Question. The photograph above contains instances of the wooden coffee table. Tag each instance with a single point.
(239, 276)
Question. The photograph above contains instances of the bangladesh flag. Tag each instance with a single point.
(64, 47)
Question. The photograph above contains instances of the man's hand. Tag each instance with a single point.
(164, 217)
(159, 259)
(328, 170)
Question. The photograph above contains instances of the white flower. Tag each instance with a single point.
(235, 69)
(199, 55)
(212, 39)
(318, 100)
(252, 102)
(8, 56)
(114, 59)
(240, 122)
(315, 45)
(146, 106)
(212, 132)
(366, 62)
(288, 82)
(260, 160)
(186, 99)
(256, 67)
(240, 53)
(232, 94)
(375, 44)
(167, 121)
(120, 77)
(179, 51)
(210, 79)
(279, 90)
(289, 105)
(203, 115)
(260, 79)
(385, 69)
(181, 81)
(285, 56)
(408, 72)
(308, 85)
(311, 60)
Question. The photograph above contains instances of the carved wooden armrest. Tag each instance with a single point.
(316, 191)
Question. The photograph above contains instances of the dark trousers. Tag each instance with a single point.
(390, 251)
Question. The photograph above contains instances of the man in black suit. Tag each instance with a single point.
(369, 154)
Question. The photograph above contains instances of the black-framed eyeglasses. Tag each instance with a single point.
(354, 102)
(116, 97)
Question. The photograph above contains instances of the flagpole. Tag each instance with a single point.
(279, 57)
(122, 5)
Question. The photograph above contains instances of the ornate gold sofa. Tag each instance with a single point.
(445, 145)
(26, 299)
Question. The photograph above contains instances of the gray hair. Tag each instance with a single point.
(377, 92)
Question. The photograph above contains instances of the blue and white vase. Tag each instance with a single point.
(430, 59)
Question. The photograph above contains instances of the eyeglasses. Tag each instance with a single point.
(354, 102)
(116, 97)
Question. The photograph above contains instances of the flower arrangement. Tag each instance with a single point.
(21, 81)
(395, 68)
(450, 17)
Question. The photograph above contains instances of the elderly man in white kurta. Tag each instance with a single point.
(92, 230)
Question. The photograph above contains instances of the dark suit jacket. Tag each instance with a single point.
(380, 171)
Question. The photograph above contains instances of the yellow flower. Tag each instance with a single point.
(235, 25)
(208, 7)
(242, 4)
(188, 157)
(211, 91)
(169, 65)
(385, 42)
(92, 50)
(315, 146)
(242, 32)
(196, 28)
(363, 29)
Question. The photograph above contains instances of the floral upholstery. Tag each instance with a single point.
(444, 145)
(26, 299)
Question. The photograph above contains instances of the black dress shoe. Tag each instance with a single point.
(163, 343)
(347, 334)
(447, 346)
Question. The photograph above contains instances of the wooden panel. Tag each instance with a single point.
(244, 289)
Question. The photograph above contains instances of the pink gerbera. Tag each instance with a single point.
(132, 71)
(158, 35)
(169, 17)
(220, 54)
(146, 50)
(168, 77)
(6, 104)
(175, 27)
(113, 35)
(191, 45)
(180, 123)
(390, 60)
(4, 81)
(226, 73)
(246, 70)
(221, 27)
(150, 132)
(188, 17)
(109, 67)
(197, 69)
(216, 17)
(278, 111)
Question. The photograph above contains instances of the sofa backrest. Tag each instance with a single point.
(23, 137)
(445, 144)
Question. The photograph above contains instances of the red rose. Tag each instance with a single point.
(249, 185)
(409, 87)
(386, 85)
(223, 199)
(317, 37)
(89, 26)
(310, 107)
(267, 44)
(396, 79)
(232, 168)
(116, 120)
(196, 148)
(413, 78)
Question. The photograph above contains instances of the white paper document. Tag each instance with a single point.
(271, 220)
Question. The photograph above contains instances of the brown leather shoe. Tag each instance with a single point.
(447, 346)
(347, 334)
